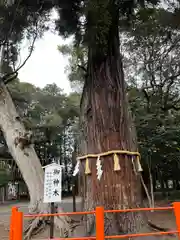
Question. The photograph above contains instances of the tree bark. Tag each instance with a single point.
(107, 125)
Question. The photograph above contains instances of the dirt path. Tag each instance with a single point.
(164, 219)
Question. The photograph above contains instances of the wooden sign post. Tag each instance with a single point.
(52, 189)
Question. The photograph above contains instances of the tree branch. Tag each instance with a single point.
(10, 78)
(147, 99)
(6, 78)
(29, 55)
(173, 45)
(83, 68)
(168, 107)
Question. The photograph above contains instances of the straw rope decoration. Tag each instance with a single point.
(115, 153)
(116, 162)
(87, 168)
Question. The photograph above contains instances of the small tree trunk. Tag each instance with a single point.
(151, 185)
(25, 157)
(3, 194)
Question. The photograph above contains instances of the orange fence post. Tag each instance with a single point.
(18, 235)
(12, 222)
(99, 223)
(176, 206)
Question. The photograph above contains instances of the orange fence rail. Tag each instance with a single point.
(16, 222)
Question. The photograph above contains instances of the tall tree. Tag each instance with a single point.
(152, 53)
(105, 117)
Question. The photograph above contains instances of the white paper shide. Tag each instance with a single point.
(76, 169)
(99, 168)
(53, 183)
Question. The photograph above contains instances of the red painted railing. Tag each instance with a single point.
(16, 222)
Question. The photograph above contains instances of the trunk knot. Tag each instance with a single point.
(24, 140)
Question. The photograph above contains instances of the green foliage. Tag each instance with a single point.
(5, 173)
(91, 20)
(88, 21)
(151, 51)
(152, 71)
(21, 20)
(158, 138)
(77, 64)
(4, 177)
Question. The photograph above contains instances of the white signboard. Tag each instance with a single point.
(52, 183)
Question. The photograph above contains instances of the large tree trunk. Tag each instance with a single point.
(108, 126)
(23, 152)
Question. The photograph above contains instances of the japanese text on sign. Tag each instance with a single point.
(52, 183)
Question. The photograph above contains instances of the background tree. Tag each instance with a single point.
(152, 71)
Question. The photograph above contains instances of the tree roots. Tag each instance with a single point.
(36, 226)
(109, 225)
(63, 224)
